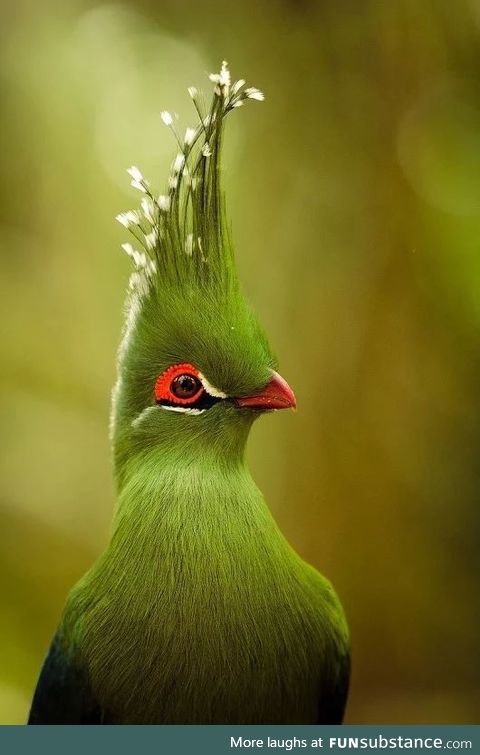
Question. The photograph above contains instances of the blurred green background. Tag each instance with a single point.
(354, 192)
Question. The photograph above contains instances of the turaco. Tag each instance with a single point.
(199, 611)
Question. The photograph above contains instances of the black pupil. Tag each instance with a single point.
(185, 386)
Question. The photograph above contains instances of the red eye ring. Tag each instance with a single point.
(163, 386)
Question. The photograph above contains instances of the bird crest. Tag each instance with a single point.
(180, 235)
(185, 305)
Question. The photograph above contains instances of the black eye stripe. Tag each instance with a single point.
(204, 401)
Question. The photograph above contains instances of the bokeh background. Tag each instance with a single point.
(354, 193)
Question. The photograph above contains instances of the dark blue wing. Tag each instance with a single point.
(63, 694)
(334, 700)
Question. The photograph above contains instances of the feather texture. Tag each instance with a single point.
(199, 611)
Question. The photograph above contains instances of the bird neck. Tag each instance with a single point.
(189, 502)
(198, 590)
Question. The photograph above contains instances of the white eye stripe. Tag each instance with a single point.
(138, 421)
(210, 389)
(182, 409)
(143, 415)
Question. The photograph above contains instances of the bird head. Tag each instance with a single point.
(195, 368)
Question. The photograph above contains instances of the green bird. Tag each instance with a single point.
(199, 611)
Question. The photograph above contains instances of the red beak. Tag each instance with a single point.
(276, 395)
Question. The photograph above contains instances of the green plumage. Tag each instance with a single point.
(199, 611)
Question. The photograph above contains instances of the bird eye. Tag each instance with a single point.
(185, 386)
(181, 387)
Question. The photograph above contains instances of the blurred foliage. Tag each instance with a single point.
(354, 192)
